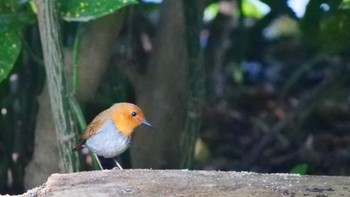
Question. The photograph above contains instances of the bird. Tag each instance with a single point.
(109, 133)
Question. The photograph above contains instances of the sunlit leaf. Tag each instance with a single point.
(85, 10)
(251, 10)
(210, 12)
(33, 6)
(238, 74)
(345, 4)
(282, 27)
(300, 169)
(10, 47)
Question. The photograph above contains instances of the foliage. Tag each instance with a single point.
(10, 45)
(325, 19)
(299, 169)
(345, 4)
(14, 15)
(272, 101)
(250, 10)
(85, 10)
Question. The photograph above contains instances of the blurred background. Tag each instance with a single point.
(235, 85)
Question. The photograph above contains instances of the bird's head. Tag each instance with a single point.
(126, 117)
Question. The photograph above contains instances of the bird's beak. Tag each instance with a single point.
(146, 123)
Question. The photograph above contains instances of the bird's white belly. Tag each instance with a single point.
(108, 142)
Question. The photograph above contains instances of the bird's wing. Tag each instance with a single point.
(95, 125)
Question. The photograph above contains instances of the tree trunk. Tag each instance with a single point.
(196, 83)
(45, 157)
(162, 94)
(94, 53)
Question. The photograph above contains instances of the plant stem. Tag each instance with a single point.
(59, 94)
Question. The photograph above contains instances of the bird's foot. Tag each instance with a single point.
(119, 167)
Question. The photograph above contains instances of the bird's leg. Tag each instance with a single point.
(98, 161)
(118, 165)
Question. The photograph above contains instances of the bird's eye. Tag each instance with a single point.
(133, 114)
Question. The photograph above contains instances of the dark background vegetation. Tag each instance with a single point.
(269, 93)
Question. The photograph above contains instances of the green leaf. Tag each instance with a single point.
(345, 4)
(300, 169)
(211, 11)
(7, 6)
(10, 47)
(250, 10)
(15, 15)
(13, 21)
(85, 10)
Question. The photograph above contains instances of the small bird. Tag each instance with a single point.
(109, 133)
